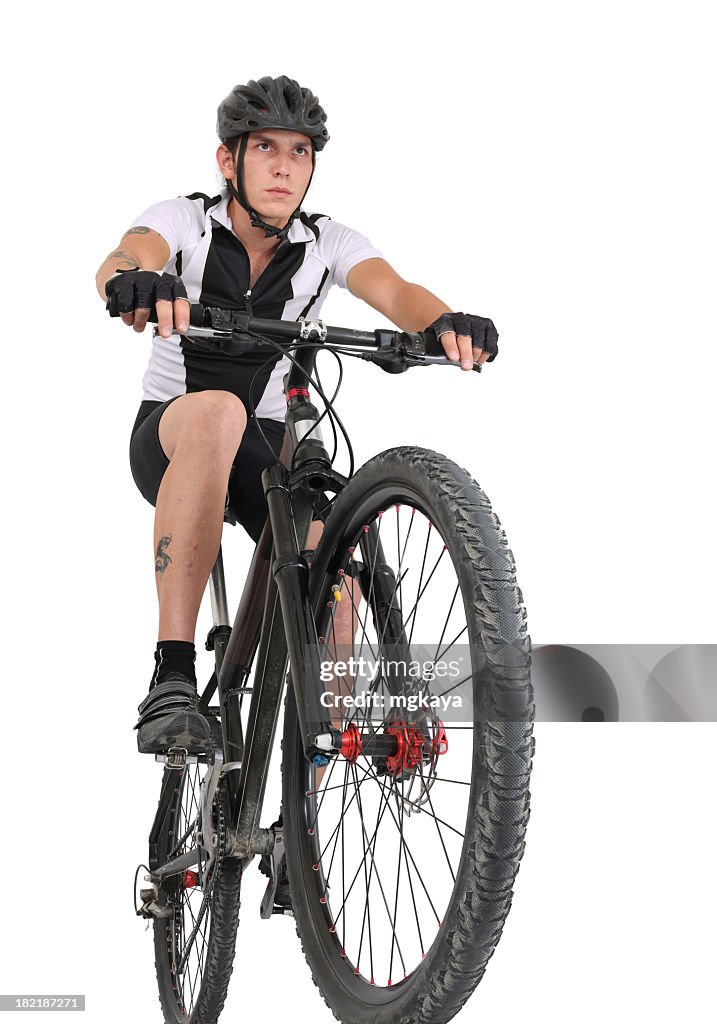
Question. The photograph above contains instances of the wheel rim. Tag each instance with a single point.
(386, 836)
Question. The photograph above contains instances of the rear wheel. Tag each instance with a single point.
(402, 853)
(195, 941)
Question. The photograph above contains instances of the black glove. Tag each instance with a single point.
(480, 330)
(129, 290)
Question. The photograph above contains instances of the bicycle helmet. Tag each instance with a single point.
(269, 103)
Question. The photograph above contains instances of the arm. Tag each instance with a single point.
(408, 306)
(140, 249)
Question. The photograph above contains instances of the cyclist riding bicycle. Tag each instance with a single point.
(195, 445)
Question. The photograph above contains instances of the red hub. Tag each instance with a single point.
(191, 879)
(351, 743)
(413, 747)
(410, 748)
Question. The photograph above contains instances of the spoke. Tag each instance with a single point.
(197, 922)
(343, 864)
(455, 685)
(326, 789)
(366, 905)
(445, 624)
(379, 679)
(338, 824)
(459, 634)
(371, 842)
(440, 778)
(178, 845)
(383, 894)
(438, 827)
(420, 578)
(336, 840)
(403, 552)
(398, 878)
(413, 898)
(421, 593)
(369, 850)
(371, 773)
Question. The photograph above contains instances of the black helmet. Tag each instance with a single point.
(272, 103)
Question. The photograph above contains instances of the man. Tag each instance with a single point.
(250, 247)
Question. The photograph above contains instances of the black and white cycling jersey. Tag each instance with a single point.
(214, 265)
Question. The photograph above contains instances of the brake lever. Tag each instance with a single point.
(444, 361)
(416, 350)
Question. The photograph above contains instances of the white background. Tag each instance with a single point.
(549, 165)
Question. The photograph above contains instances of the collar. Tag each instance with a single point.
(298, 232)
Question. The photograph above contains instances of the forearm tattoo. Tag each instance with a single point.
(161, 558)
(128, 262)
(137, 231)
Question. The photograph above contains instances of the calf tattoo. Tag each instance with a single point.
(161, 558)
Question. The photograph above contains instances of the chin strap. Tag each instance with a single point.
(240, 195)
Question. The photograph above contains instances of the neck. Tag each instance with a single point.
(252, 238)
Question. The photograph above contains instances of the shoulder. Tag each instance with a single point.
(331, 234)
(186, 209)
(201, 201)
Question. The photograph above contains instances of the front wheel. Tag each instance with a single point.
(402, 853)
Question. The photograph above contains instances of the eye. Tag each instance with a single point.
(302, 150)
(260, 144)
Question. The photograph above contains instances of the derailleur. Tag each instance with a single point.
(151, 909)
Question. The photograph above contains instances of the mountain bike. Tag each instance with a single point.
(403, 813)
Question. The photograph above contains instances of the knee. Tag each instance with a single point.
(215, 416)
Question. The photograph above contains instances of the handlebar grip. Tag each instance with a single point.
(197, 312)
(112, 308)
(434, 347)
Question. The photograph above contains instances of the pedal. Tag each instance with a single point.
(176, 757)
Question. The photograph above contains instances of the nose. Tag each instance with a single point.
(281, 165)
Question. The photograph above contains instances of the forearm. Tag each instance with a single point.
(120, 259)
(414, 308)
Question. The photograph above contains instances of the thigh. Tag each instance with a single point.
(147, 459)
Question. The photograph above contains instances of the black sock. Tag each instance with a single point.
(173, 656)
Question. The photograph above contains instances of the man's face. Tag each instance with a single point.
(277, 170)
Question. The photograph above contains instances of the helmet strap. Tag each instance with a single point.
(240, 195)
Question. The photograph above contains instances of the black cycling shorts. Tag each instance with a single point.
(245, 493)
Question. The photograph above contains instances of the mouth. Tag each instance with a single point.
(278, 192)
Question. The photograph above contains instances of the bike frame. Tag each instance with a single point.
(274, 621)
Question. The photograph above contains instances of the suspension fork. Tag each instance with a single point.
(291, 574)
(380, 587)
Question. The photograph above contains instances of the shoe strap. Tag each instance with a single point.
(175, 693)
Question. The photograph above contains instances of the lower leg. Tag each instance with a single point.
(187, 533)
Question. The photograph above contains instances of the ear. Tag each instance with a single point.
(226, 161)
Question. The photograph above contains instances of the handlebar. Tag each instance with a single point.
(232, 331)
